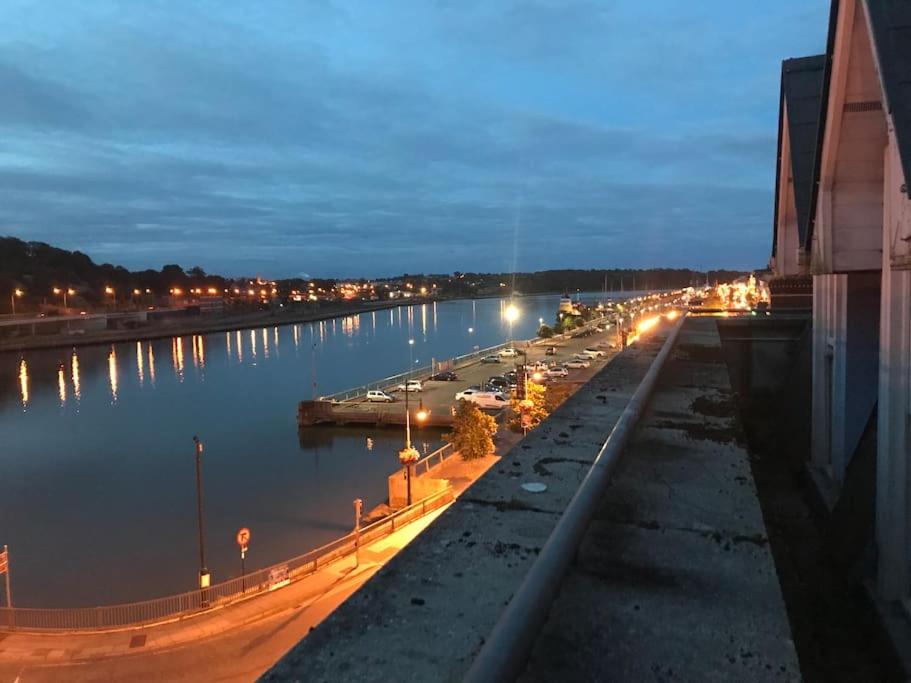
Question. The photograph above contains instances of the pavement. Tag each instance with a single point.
(236, 643)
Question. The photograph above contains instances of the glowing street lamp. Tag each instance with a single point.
(109, 291)
(15, 294)
(65, 292)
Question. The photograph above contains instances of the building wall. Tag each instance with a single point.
(845, 367)
(893, 495)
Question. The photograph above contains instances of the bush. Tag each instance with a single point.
(472, 431)
(545, 332)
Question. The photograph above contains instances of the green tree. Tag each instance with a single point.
(545, 332)
(472, 431)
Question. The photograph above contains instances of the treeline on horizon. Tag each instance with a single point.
(39, 267)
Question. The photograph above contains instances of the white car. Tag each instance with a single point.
(412, 385)
(509, 353)
(377, 396)
(591, 353)
(577, 363)
(483, 399)
(540, 366)
(556, 371)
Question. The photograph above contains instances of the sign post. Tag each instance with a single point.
(243, 540)
(358, 507)
(4, 569)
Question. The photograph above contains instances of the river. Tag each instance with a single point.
(97, 482)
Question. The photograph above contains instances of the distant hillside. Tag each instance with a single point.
(37, 268)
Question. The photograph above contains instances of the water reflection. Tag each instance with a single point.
(265, 343)
(151, 365)
(61, 384)
(74, 369)
(112, 373)
(240, 347)
(23, 383)
(253, 344)
(177, 357)
(140, 371)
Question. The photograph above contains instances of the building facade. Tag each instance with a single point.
(856, 245)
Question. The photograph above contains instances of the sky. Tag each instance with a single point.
(343, 138)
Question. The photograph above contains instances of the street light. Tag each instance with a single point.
(16, 293)
(408, 455)
(203, 572)
(68, 291)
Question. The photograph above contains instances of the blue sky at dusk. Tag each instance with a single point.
(344, 138)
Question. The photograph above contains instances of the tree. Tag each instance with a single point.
(545, 332)
(535, 406)
(472, 431)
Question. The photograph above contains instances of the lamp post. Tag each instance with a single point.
(16, 293)
(203, 571)
(408, 455)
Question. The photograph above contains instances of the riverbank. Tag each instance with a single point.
(195, 325)
(208, 324)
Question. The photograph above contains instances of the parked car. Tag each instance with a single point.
(501, 383)
(413, 385)
(445, 376)
(509, 353)
(539, 366)
(556, 371)
(491, 359)
(483, 399)
(550, 351)
(577, 363)
(512, 376)
(592, 353)
(376, 396)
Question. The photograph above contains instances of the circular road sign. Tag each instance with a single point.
(243, 537)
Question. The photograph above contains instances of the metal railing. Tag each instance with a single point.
(505, 652)
(183, 605)
(435, 459)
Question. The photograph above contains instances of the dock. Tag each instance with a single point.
(314, 413)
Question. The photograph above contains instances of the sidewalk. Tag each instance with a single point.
(238, 642)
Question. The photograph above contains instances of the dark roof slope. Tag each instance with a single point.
(890, 23)
(801, 91)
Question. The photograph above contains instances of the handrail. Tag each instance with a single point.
(438, 453)
(505, 653)
(174, 607)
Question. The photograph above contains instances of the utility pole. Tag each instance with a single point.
(204, 578)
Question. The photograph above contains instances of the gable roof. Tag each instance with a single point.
(801, 94)
(890, 24)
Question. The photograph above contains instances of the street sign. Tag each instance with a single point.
(243, 537)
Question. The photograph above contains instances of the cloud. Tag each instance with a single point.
(342, 138)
